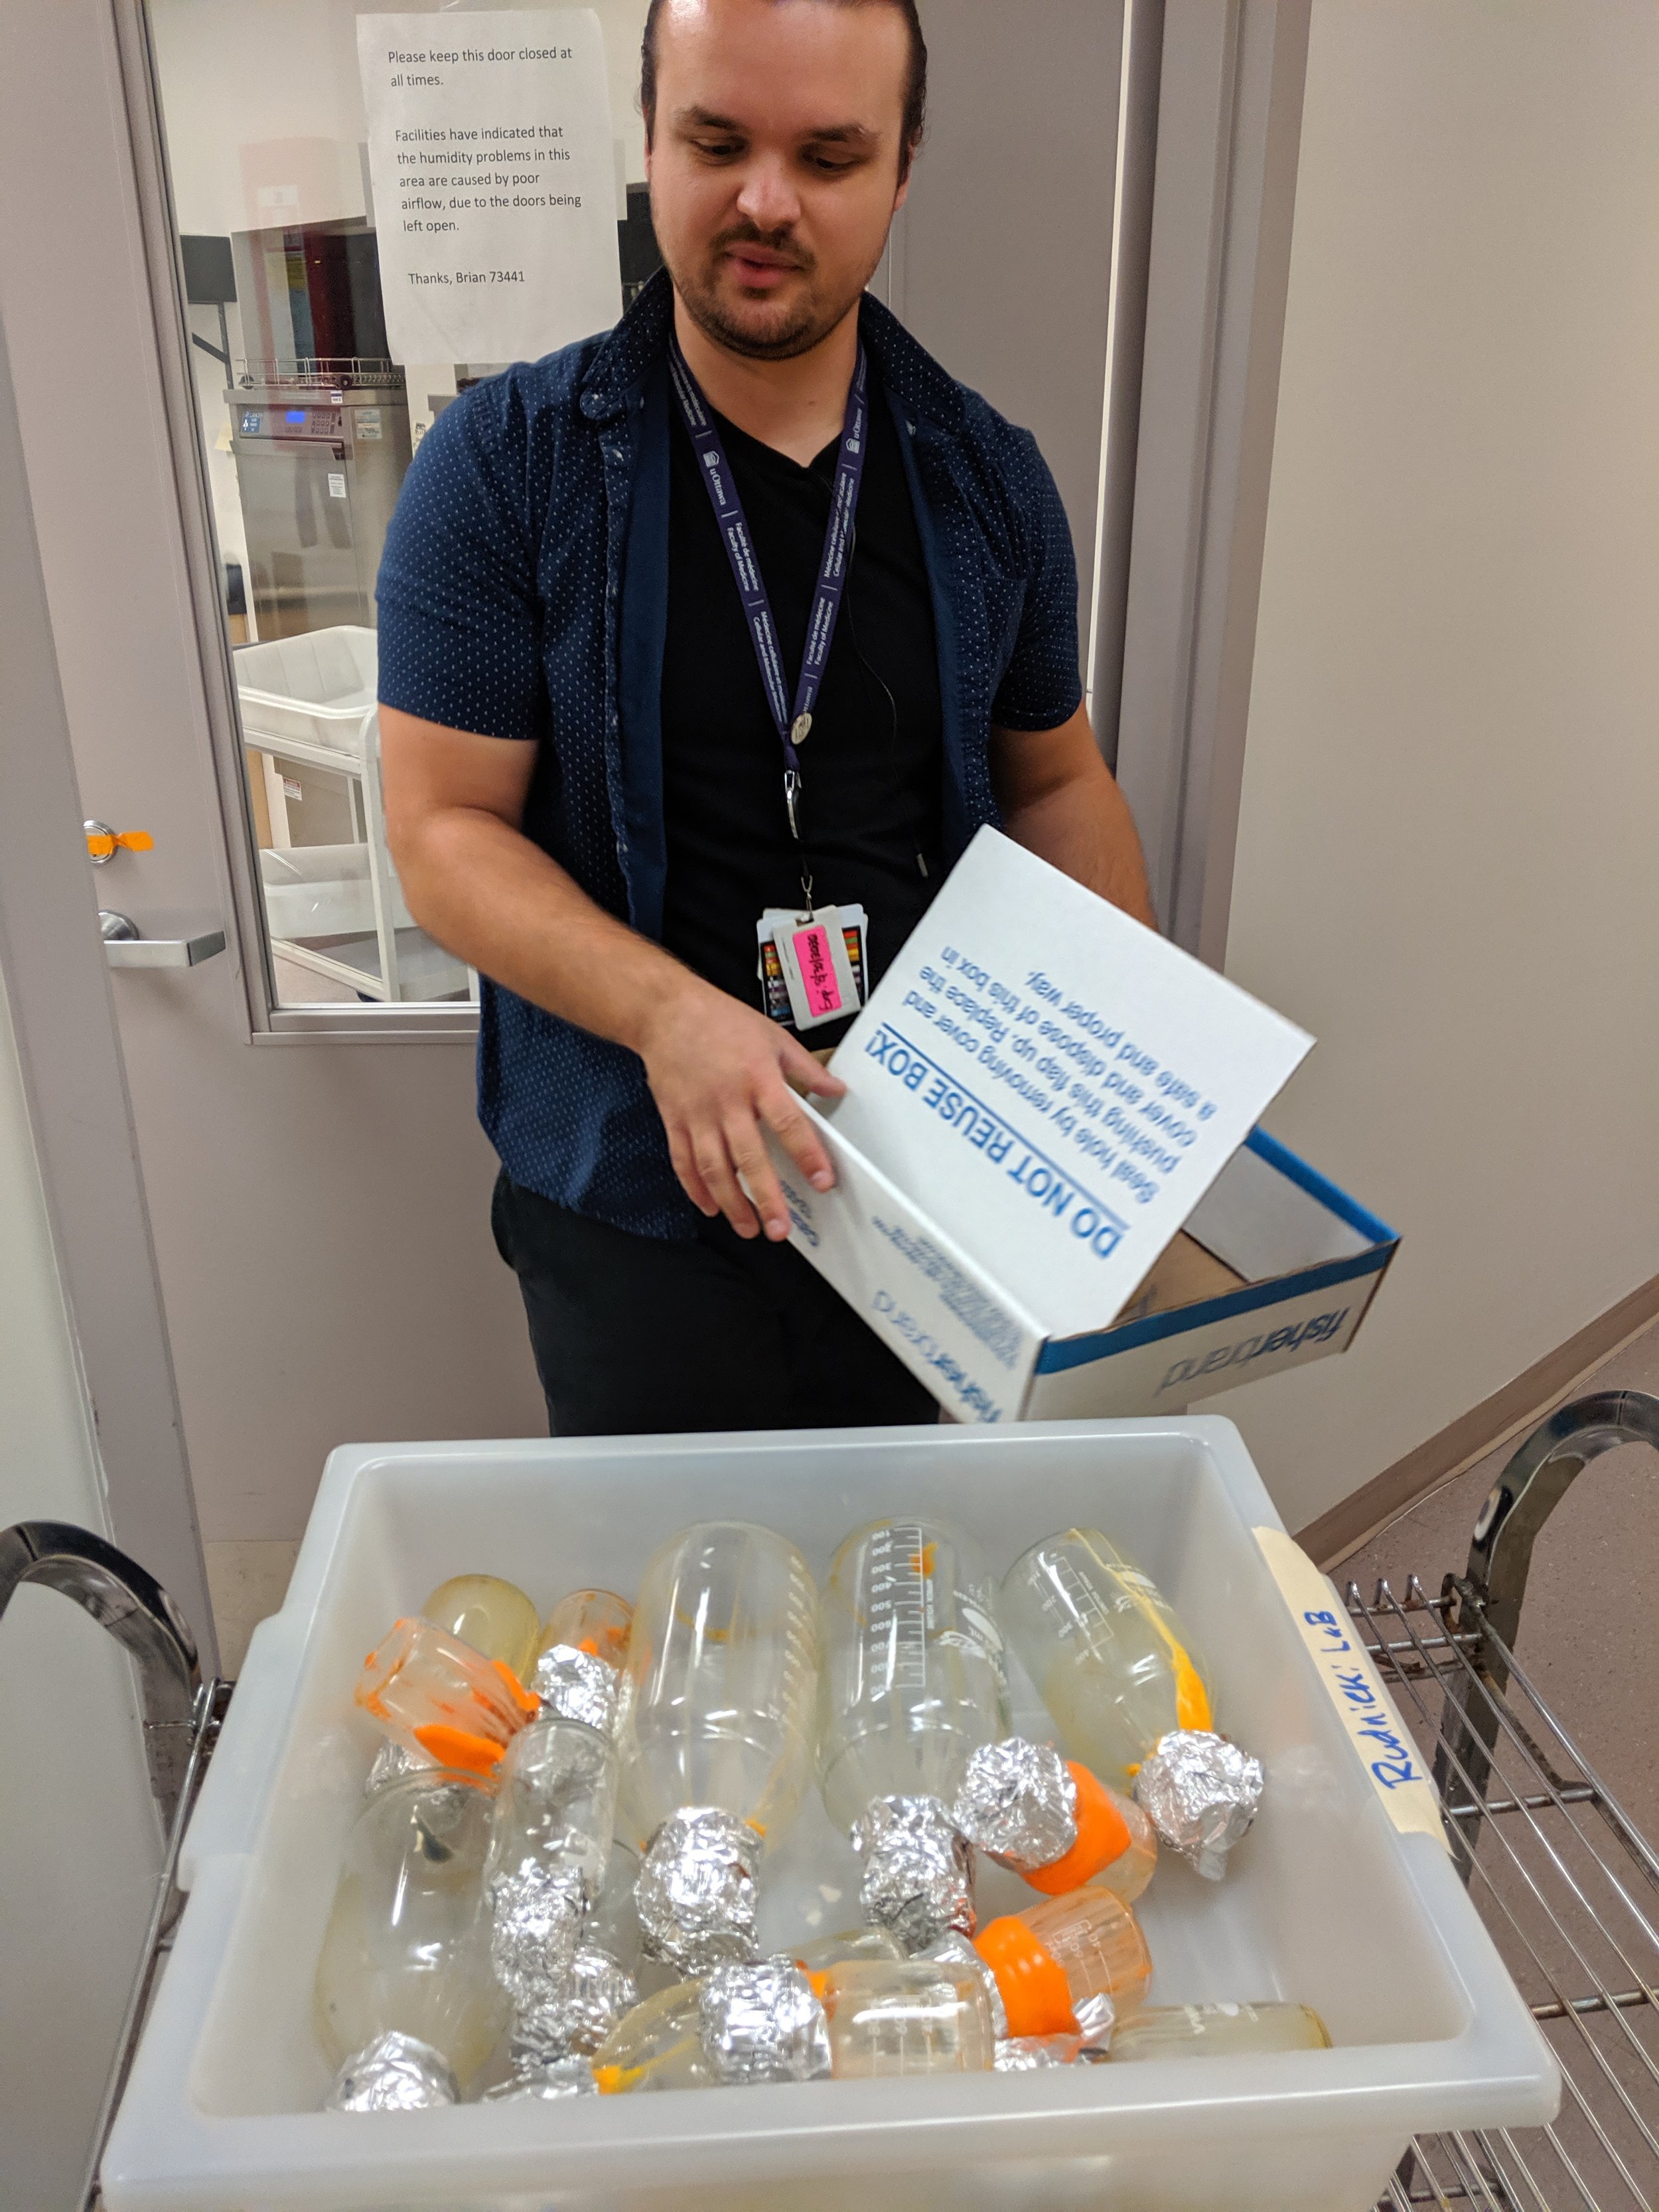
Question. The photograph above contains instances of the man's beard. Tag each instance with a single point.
(807, 324)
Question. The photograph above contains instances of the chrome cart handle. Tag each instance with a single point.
(1487, 1598)
(1532, 1485)
(138, 1612)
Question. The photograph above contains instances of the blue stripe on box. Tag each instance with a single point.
(1061, 1353)
(1330, 1195)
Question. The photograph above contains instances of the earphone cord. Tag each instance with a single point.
(867, 665)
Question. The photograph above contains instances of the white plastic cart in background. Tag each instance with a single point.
(311, 700)
(1439, 2091)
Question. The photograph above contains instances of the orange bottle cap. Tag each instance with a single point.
(457, 1747)
(1035, 1993)
(1102, 1835)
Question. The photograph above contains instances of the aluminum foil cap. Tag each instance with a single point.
(763, 2023)
(392, 2074)
(696, 1891)
(1017, 1804)
(575, 2014)
(578, 1688)
(1096, 2018)
(1029, 2054)
(536, 1916)
(918, 1870)
(954, 1950)
(1200, 1793)
(565, 2077)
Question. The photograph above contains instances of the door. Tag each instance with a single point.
(214, 434)
(88, 1433)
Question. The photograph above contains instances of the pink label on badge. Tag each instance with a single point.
(818, 970)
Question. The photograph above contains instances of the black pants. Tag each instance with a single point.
(643, 1335)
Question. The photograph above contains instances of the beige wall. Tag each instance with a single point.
(1447, 865)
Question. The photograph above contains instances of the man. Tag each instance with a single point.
(618, 783)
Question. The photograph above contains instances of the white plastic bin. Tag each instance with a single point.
(1326, 1902)
(315, 690)
(323, 890)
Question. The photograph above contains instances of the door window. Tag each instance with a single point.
(307, 425)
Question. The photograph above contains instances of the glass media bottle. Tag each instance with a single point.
(1108, 1656)
(1055, 1963)
(657, 2046)
(406, 1950)
(905, 2016)
(1220, 2031)
(912, 1686)
(716, 1733)
(494, 1617)
(913, 1678)
(596, 1621)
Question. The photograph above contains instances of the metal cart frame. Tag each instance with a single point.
(1565, 1883)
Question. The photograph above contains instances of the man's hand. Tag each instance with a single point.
(721, 1071)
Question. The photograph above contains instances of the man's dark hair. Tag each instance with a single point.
(916, 90)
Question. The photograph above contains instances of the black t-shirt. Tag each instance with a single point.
(872, 766)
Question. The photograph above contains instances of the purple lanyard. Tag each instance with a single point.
(716, 473)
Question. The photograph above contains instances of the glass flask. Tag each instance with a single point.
(611, 1923)
(892, 2016)
(913, 1675)
(815, 1958)
(657, 2045)
(1220, 2031)
(1105, 1651)
(592, 1620)
(447, 1705)
(406, 1950)
(494, 1617)
(1054, 1963)
(556, 1804)
(722, 1665)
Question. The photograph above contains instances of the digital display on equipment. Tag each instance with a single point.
(296, 416)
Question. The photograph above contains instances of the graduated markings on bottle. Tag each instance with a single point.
(902, 1598)
(1366, 1708)
(1078, 1604)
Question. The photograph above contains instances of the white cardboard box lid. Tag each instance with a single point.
(1055, 1084)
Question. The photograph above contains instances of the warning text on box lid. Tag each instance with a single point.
(1056, 1085)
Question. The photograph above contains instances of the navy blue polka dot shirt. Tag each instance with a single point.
(523, 593)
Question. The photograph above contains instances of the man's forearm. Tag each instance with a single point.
(1084, 827)
(494, 900)
(724, 1078)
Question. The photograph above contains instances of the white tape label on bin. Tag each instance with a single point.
(1367, 1711)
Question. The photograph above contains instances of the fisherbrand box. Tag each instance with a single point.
(1052, 1200)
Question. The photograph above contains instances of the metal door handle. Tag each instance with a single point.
(127, 948)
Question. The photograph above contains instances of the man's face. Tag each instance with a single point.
(773, 163)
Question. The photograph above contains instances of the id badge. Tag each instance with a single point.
(811, 965)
